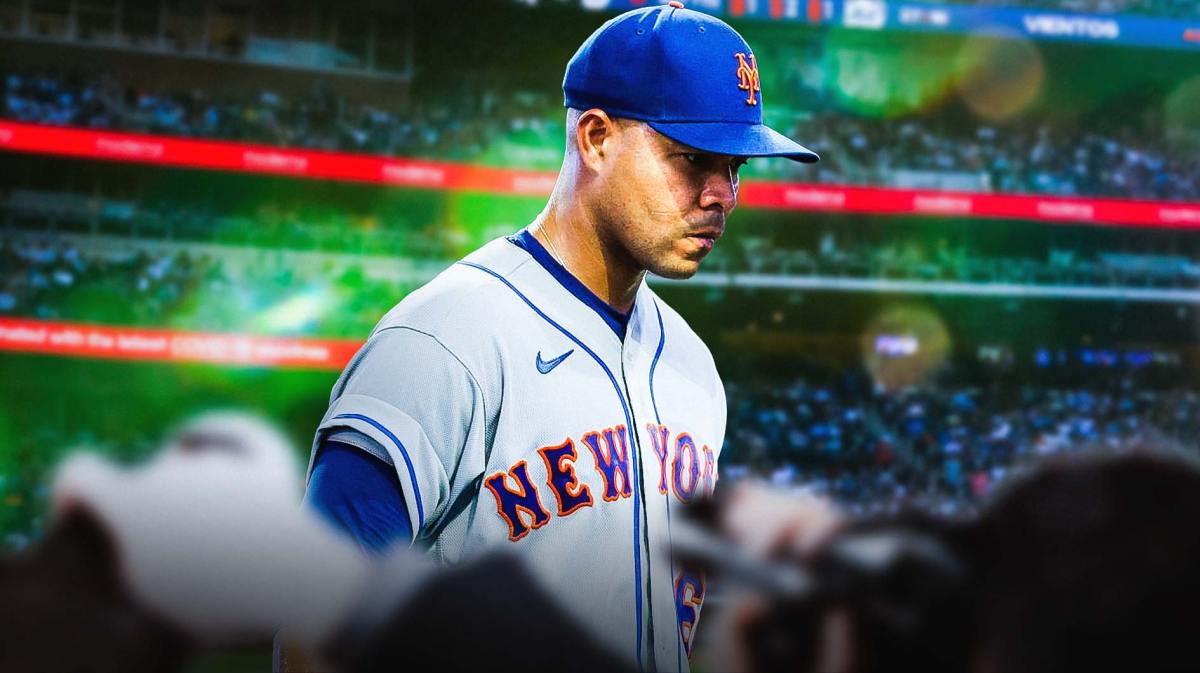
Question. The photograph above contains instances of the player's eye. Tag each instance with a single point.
(693, 158)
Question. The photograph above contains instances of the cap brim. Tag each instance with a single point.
(743, 140)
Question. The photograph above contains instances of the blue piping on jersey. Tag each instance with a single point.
(637, 548)
(616, 320)
(412, 474)
(662, 341)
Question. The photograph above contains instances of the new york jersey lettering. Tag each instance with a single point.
(610, 448)
(561, 477)
(511, 503)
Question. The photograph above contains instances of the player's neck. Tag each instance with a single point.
(573, 240)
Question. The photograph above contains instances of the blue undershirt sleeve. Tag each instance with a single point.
(359, 494)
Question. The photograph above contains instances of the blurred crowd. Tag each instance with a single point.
(379, 227)
(49, 278)
(24, 484)
(947, 446)
(452, 127)
(150, 281)
(1180, 9)
(1041, 158)
(917, 259)
(523, 128)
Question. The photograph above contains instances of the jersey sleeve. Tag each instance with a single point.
(416, 401)
(359, 494)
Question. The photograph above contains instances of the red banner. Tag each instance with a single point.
(226, 156)
(159, 345)
(966, 204)
(215, 155)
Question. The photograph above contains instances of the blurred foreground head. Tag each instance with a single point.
(204, 544)
(1089, 564)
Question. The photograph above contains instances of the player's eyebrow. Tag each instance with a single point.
(669, 146)
(680, 147)
(675, 146)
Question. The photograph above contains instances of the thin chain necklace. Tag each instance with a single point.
(553, 250)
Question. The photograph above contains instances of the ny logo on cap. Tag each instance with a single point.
(747, 74)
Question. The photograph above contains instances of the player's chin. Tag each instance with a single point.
(676, 267)
(682, 259)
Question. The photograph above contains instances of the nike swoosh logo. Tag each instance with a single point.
(544, 366)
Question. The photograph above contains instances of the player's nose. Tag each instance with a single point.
(720, 190)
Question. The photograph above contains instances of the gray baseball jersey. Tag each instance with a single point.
(515, 416)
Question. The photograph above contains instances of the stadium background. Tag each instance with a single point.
(209, 204)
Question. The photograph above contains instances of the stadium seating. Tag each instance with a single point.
(523, 129)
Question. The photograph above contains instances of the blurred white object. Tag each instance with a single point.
(211, 535)
(765, 520)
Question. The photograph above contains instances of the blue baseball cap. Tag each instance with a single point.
(688, 75)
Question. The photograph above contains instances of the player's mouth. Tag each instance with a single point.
(704, 240)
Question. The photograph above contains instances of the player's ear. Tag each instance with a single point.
(595, 137)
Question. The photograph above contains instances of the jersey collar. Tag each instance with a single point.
(616, 320)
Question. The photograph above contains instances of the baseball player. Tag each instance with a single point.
(538, 395)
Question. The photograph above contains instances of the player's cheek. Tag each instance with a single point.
(684, 254)
(679, 245)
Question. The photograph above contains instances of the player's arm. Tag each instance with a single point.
(403, 416)
(358, 492)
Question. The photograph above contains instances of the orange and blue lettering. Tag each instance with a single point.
(560, 471)
(511, 503)
(709, 470)
(659, 437)
(747, 75)
(689, 595)
(685, 448)
(612, 460)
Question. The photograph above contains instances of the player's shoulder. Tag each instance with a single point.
(468, 293)
(681, 343)
(680, 335)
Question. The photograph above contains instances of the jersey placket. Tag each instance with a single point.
(629, 354)
(641, 343)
